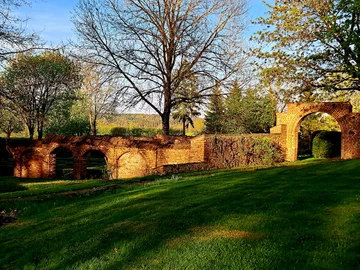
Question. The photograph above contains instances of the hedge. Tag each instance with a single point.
(326, 144)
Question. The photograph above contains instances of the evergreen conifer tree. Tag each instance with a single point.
(214, 117)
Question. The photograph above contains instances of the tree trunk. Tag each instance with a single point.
(31, 132)
(93, 127)
(183, 126)
(165, 123)
(167, 110)
(8, 134)
(92, 120)
(40, 129)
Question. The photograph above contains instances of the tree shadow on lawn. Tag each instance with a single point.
(299, 214)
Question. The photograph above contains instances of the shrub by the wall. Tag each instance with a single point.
(118, 131)
(327, 144)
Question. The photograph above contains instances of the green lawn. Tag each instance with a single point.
(296, 217)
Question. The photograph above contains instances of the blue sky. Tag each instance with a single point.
(51, 18)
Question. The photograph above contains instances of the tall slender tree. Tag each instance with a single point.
(214, 117)
(233, 103)
(97, 94)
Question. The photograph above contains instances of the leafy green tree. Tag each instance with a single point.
(9, 122)
(68, 118)
(311, 44)
(257, 111)
(248, 111)
(214, 117)
(33, 83)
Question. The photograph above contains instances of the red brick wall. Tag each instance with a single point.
(126, 157)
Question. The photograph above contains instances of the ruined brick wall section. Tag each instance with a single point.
(126, 157)
(228, 151)
(174, 152)
(341, 111)
(197, 152)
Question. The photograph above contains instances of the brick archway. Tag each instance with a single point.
(126, 157)
(53, 159)
(132, 164)
(288, 126)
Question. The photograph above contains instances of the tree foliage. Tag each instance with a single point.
(214, 117)
(311, 45)
(250, 112)
(185, 111)
(33, 83)
(240, 111)
(9, 122)
(151, 47)
(68, 117)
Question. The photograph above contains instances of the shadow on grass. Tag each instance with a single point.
(303, 217)
(10, 186)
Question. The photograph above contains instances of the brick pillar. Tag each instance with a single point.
(112, 169)
(17, 166)
(52, 166)
(79, 168)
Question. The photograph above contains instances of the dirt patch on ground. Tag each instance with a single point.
(7, 218)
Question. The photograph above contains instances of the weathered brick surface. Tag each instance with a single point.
(127, 157)
(288, 125)
(227, 151)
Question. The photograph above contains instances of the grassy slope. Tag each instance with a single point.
(301, 217)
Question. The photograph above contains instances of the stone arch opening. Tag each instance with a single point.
(61, 163)
(96, 165)
(288, 122)
(309, 126)
(6, 162)
(130, 165)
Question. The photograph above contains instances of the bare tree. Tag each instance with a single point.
(151, 46)
(13, 35)
(97, 94)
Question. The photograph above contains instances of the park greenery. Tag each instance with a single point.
(299, 217)
(309, 46)
(190, 64)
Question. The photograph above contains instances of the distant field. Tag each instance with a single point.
(302, 216)
(133, 121)
(145, 121)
